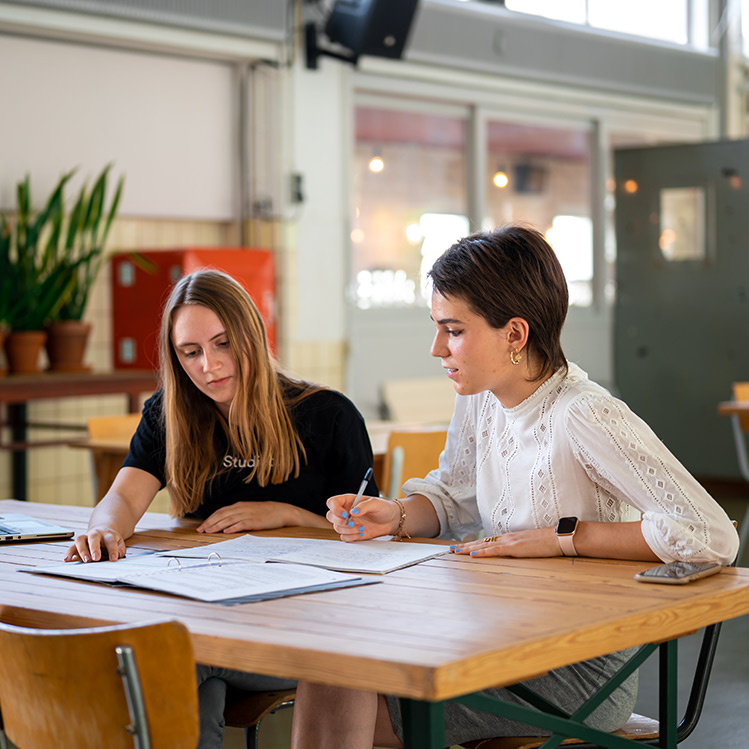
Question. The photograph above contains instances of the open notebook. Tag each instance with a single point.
(14, 526)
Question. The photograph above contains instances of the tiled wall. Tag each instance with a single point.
(62, 475)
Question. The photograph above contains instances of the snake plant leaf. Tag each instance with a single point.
(112, 212)
(75, 221)
(96, 205)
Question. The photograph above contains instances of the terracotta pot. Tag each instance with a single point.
(22, 348)
(3, 335)
(66, 345)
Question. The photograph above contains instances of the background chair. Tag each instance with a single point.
(423, 400)
(112, 433)
(411, 453)
(120, 686)
(247, 709)
(740, 425)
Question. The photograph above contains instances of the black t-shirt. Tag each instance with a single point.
(334, 437)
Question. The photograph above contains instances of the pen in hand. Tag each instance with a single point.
(367, 478)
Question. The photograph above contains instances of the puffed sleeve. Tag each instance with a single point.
(621, 453)
(451, 488)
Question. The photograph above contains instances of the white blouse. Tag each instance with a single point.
(571, 448)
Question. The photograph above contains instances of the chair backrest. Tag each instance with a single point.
(741, 393)
(411, 453)
(105, 463)
(117, 428)
(65, 688)
(424, 400)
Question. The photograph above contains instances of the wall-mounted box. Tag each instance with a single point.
(138, 295)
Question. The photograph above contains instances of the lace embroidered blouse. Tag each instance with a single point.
(571, 448)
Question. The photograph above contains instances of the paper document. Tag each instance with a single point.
(235, 581)
(375, 557)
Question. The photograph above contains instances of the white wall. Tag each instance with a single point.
(167, 124)
(320, 153)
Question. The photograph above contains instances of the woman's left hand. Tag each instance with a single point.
(537, 542)
(249, 516)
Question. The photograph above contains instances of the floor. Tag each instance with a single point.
(725, 718)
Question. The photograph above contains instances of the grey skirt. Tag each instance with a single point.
(567, 687)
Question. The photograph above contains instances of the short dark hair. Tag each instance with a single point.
(510, 272)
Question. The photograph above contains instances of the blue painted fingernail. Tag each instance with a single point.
(344, 514)
(361, 534)
(355, 511)
(351, 523)
(473, 553)
(361, 528)
(453, 546)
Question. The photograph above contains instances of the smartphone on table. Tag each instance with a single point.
(678, 573)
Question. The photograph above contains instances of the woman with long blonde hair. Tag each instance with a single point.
(238, 444)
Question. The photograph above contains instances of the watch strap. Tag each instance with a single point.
(567, 544)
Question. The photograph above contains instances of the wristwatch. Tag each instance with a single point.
(565, 530)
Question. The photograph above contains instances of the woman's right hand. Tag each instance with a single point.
(372, 517)
(96, 544)
(114, 517)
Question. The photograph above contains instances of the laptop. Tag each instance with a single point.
(15, 526)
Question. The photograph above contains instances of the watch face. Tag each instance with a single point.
(565, 526)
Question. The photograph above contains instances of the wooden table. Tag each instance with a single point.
(733, 408)
(16, 391)
(739, 413)
(445, 628)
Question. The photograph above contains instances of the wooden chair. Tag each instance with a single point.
(112, 433)
(247, 709)
(411, 453)
(740, 425)
(120, 686)
(424, 400)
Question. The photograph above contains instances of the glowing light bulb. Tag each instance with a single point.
(376, 164)
(501, 180)
(414, 235)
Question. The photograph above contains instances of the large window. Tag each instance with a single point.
(409, 201)
(410, 198)
(541, 175)
(665, 20)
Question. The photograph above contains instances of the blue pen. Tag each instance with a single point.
(367, 478)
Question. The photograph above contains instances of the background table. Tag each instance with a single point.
(16, 391)
(441, 629)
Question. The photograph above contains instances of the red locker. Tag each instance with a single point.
(138, 295)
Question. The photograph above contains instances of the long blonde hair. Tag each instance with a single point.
(259, 423)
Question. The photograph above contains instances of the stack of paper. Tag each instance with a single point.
(376, 557)
(242, 570)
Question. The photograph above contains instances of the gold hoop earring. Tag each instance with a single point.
(515, 356)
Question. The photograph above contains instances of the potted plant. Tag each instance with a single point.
(5, 283)
(35, 284)
(79, 247)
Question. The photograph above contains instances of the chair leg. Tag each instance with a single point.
(251, 736)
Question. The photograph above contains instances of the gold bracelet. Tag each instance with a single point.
(401, 532)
